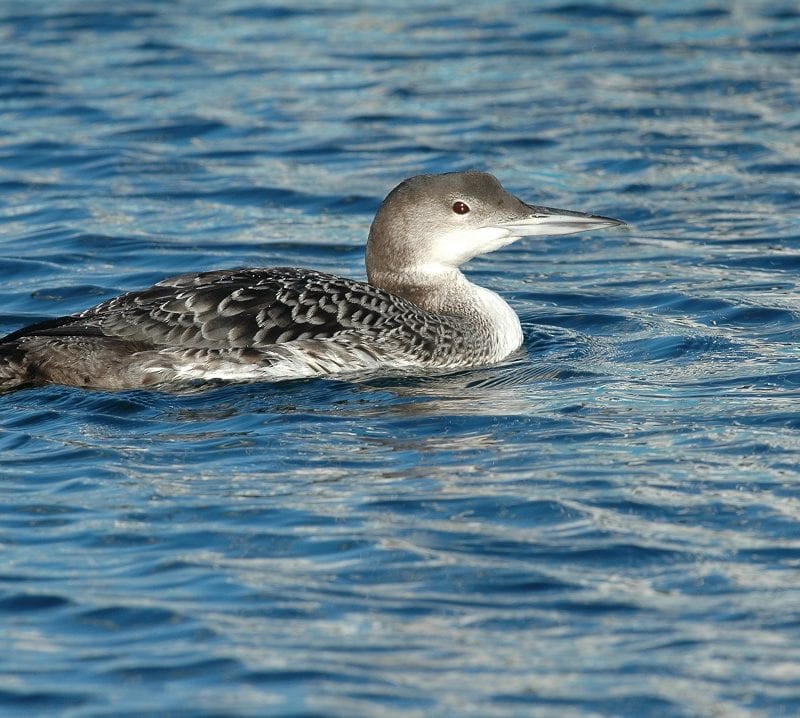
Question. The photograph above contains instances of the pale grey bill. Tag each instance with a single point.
(552, 221)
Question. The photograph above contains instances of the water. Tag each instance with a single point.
(606, 526)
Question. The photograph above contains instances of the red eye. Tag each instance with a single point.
(460, 207)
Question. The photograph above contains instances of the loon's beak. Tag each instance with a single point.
(549, 221)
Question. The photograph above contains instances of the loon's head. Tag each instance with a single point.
(433, 223)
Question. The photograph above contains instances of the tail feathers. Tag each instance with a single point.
(15, 369)
(85, 361)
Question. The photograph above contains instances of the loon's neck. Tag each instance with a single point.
(446, 291)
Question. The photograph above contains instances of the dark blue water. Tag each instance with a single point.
(609, 526)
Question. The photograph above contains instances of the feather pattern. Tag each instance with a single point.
(257, 309)
(242, 324)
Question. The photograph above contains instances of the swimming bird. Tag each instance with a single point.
(416, 312)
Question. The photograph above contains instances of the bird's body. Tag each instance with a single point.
(416, 312)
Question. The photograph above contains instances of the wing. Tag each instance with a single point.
(236, 309)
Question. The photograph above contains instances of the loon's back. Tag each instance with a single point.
(271, 323)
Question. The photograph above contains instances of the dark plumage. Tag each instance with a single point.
(242, 316)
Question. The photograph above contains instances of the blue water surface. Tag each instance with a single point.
(608, 525)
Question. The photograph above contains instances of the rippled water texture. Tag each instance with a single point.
(605, 526)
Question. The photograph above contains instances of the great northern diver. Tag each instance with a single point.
(416, 312)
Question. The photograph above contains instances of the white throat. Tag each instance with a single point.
(457, 247)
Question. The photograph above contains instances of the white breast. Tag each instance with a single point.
(503, 321)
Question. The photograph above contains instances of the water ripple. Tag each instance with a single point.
(604, 525)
